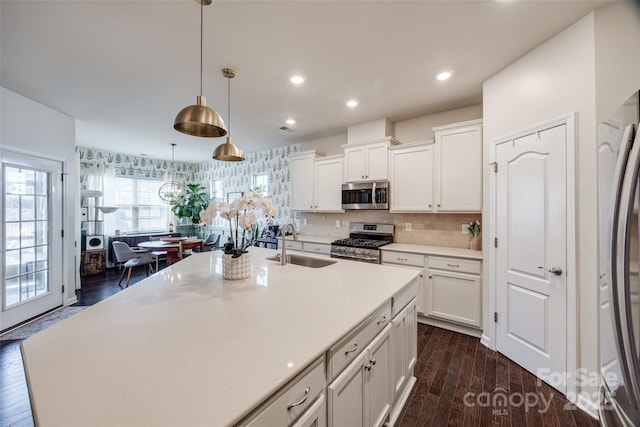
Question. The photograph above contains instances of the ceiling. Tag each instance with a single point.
(124, 68)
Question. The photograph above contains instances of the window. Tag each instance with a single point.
(261, 184)
(140, 207)
(216, 189)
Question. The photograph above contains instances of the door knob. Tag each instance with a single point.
(553, 270)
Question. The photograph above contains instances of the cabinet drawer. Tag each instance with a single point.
(455, 264)
(403, 258)
(296, 398)
(402, 298)
(317, 248)
(294, 245)
(353, 344)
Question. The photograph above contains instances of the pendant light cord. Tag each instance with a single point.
(173, 148)
(201, 21)
(229, 104)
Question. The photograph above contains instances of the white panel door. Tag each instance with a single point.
(531, 256)
(30, 243)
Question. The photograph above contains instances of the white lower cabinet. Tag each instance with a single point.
(309, 247)
(315, 416)
(362, 394)
(295, 401)
(411, 260)
(454, 291)
(404, 347)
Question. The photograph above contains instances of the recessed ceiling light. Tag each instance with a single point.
(291, 122)
(352, 103)
(297, 79)
(445, 75)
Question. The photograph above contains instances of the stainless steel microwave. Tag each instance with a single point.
(365, 195)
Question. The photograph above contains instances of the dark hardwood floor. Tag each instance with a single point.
(452, 369)
(460, 382)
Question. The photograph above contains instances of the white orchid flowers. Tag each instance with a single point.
(242, 215)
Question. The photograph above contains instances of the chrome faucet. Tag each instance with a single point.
(283, 255)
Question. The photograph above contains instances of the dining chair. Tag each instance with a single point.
(211, 243)
(157, 254)
(130, 258)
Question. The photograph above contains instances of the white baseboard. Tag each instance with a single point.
(486, 341)
(71, 301)
(450, 326)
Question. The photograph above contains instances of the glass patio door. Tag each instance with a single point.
(30, 237)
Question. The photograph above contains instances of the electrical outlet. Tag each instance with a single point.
(337, 223)
(407, 226)
(305, 221)
(465, 230)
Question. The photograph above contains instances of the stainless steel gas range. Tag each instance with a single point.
(363, 242)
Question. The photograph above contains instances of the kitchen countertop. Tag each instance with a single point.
(185, 347)
(433, 250)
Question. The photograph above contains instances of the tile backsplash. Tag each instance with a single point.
(426, 228)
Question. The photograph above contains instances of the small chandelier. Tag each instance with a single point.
(171, 192)
(228, 152)
(200, 120)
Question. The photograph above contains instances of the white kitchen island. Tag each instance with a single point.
(185, 347)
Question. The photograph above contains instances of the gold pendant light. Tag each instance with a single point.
(200, 120)
(228, 152)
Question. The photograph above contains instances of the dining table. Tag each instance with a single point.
(174, 247)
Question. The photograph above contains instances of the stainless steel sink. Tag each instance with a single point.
(304, 261)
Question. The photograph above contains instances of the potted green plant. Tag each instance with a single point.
(194, 201)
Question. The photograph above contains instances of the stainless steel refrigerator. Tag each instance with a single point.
(619, 196)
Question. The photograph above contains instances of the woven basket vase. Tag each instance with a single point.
(236, 268)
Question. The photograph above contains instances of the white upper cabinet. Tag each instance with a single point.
(302, 181)
(328, 184)
(316, 185)
(411, 177)
(367, 161)
(458, 167)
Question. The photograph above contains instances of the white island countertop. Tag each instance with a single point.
(185, 347)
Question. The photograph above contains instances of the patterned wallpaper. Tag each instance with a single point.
(236, 176)
(134, 166)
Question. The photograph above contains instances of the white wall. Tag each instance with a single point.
(410, 130)
(421, 128)
(31, 128)
(328, 146)
(559, 77)
(554, 79)
(617, 42)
